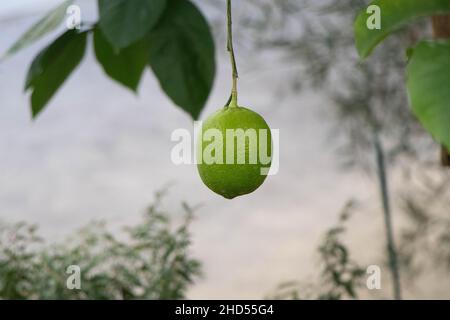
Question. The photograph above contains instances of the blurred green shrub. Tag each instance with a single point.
(150, 260)
(340, 276)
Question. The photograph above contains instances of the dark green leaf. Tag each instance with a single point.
(51, 67)
(41, 28)
(123, 22)
(429, 87)
(394, 15)
(125, 66)
(182, 56)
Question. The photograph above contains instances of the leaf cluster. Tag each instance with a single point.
(171, 37)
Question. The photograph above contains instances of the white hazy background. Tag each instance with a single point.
(100, 152)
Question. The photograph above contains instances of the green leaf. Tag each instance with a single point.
(429, 87)
(123, 22)
(51, 67)
(394, 15)
(125, 65)
(41, 28)
(182, 57)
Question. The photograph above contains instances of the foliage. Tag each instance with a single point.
(394, 15)
(150, 260)
(428, 67)
(181, 54)
(170, 36)
(52, 67)
(428, 79)
(125, 22)
(340, 276)
(112, 60)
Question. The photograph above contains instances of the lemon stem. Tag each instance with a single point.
(230, 49)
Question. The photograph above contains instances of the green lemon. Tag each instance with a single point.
(235, 147)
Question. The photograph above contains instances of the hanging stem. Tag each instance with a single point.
(230, 49)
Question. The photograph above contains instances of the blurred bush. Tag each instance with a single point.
(340, 276)
(149, 260)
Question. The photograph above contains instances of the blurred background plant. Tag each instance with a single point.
(340, 276)
(150, 260)
(425, 239)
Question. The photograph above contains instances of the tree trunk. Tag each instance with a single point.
(441, 30)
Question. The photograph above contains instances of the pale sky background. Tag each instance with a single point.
(99, 152)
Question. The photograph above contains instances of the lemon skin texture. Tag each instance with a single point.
(232, 180)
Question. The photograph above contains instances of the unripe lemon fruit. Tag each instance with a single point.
(236, 178)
